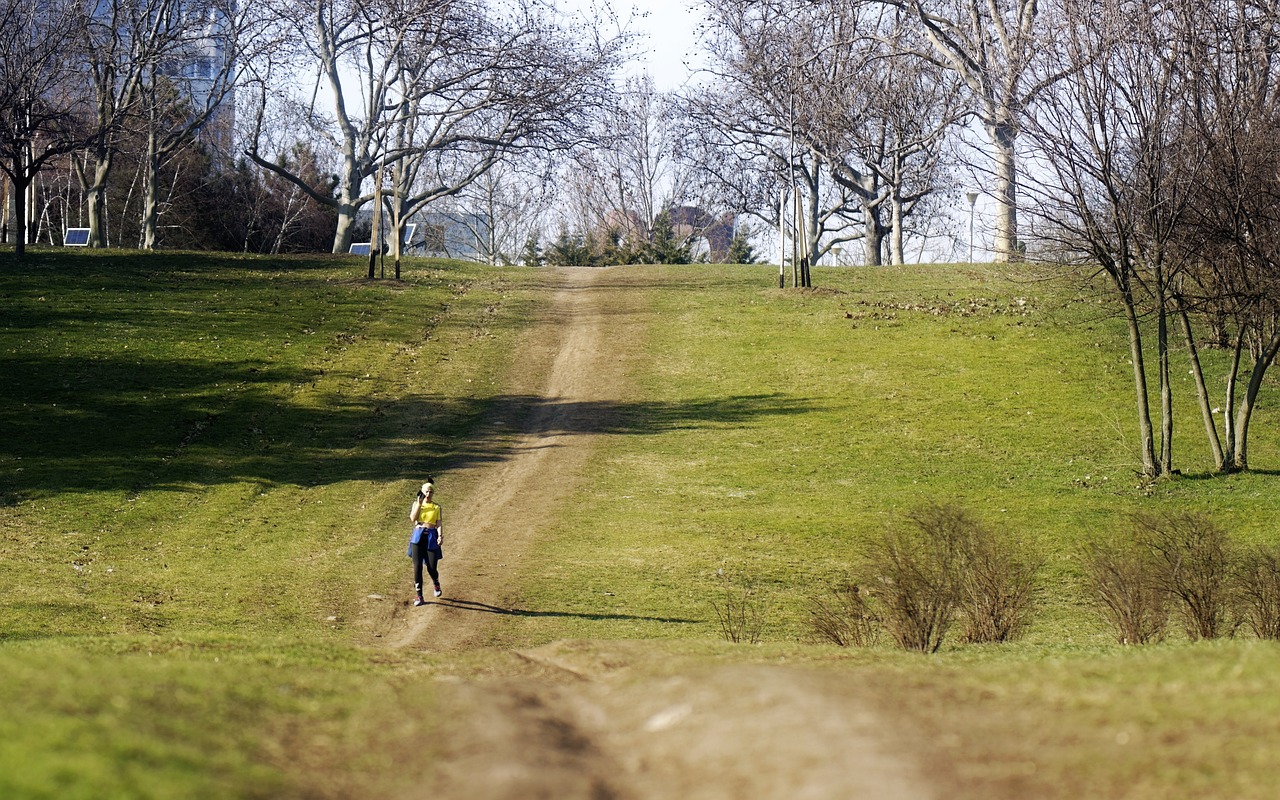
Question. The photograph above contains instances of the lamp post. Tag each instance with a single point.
(973, 198)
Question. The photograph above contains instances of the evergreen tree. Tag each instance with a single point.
(532, 256)
(569, 250)
(740, 250)
(664, 247)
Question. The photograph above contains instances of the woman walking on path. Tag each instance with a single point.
(424, 543)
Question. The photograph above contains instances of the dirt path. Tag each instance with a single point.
(566, 362)
(616, 720)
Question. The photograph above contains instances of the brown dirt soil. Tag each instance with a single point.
(615, 720)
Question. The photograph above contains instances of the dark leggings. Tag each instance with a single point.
(421, 555)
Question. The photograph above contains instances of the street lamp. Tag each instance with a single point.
(973, 198)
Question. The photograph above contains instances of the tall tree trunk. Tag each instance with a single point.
(1229, 404)
(19, 211)
(1004, 138)
(814, 239)
(348, 190)
(1202, 391)
(4, 208)
(346, 223)
(96, 194)
(32, 213)
(896, 255)
(1245, 413)
(873, 237)
(1146, 434)
(150, 194)
(1166, 390)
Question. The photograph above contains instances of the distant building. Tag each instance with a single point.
(711, 235)
(202, 66)
(708, 236)
(452, 234)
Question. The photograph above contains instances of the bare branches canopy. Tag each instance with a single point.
(439, 90)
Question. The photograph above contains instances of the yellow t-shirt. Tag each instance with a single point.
(429, 515)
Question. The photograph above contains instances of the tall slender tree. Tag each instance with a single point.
(122, 42)
(1116, 174)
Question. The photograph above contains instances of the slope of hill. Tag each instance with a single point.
(207, 463)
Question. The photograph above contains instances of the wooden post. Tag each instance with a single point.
(4, 211)
(782, 240)
(397, 222)
(377, 212)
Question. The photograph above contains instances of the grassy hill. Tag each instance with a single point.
(204, 461)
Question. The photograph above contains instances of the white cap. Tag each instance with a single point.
(427, 487)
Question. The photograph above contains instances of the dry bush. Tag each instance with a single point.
(740, 609)
(844, 617)
(916, 570)
(996, 578)
(1192, 560)
(1120, 574)
(946, 561)
(1257, 578)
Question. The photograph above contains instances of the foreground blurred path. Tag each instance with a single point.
(623, 720)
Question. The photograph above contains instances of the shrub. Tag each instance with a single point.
(996, 579)
(916, 570)
(740, 609)
(1257, 578)
(844, 617)
(947, 562)
(1191, 560)
(1120, 574)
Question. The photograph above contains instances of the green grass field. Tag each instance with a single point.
(204, 459)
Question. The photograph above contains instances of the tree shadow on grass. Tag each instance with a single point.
(116, 380)
(114, 423)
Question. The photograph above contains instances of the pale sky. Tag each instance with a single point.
(669, 37)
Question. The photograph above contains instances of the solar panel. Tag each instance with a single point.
(360, 248)
(76, 237)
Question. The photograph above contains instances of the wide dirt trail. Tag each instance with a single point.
(615, 719)
(566, 364)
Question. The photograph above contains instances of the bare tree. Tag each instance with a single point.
(628, 174)
(186, 90)
(748, 118)
(838, 84)
(1116, 172)
(1157, 162)
(505, 208)
(123, 41)
(880, 115)
(346, 42)
(446, 88)
(42, 103)
(1231, 238)
(993, 46)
